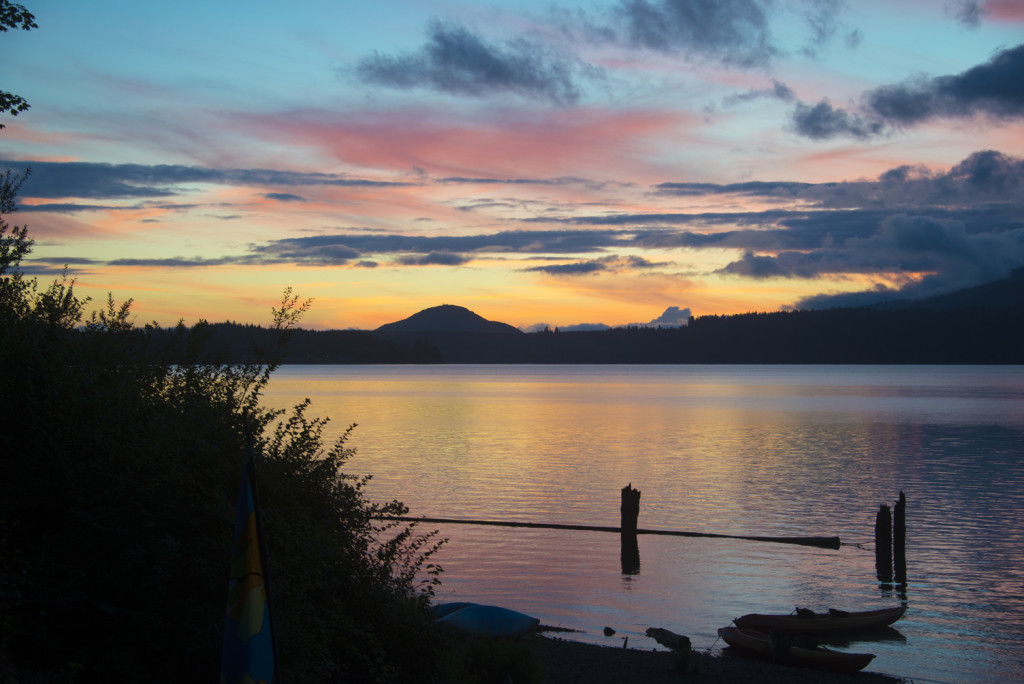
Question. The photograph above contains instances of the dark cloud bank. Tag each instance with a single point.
(732, 31)
(993, 89)
(88, 180)
(458, 60)
(958, 228)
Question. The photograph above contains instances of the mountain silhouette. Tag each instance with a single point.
(982, 324)
(1001, 294)
(447, 318)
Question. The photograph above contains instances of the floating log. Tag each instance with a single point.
(883, 544)
(820, 542)
(899, 539)
(669, 639)
(629, 513)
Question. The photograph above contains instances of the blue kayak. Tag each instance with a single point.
(487, 620)
(443, 609)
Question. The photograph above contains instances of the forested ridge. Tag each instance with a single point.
(969, 335)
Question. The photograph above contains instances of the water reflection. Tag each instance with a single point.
(850, 638)
(772, 451)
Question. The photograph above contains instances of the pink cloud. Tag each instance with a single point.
(18, 132)
(552, 144)
(1005, 10)
(55, 228)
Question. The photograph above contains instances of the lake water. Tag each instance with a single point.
(746, 450)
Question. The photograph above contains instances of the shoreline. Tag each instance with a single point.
(567, 662)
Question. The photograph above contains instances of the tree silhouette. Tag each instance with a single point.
(14, 16)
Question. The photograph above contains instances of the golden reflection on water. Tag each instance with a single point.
(735, 450)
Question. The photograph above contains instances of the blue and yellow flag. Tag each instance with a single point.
(248, 656)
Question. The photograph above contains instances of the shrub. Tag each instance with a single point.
(121, 462)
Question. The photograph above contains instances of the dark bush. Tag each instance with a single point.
(120, 464)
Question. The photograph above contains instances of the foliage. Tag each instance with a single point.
(14, 245)
(121, 465)
(14, 16)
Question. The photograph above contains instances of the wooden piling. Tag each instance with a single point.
(883, 544)
(629, 514)
(899, 539)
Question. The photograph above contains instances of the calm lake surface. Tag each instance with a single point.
(746, 450)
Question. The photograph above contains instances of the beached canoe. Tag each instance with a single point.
(489, 620)
(809, 622)
(820, 658)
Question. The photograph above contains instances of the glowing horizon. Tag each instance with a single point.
(511, 159)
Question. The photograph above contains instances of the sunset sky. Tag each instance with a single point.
(539, 162)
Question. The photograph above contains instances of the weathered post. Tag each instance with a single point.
(629, 514)
(899, 539)
(883, 544)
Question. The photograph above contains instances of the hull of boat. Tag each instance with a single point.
(821, 624)
(759, 643)
(486, 620)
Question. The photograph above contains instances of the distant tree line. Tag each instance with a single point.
(972, 335)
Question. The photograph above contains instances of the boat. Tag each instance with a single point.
(790, 653)
(804, 621)
(442, 609)
(475, 618)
